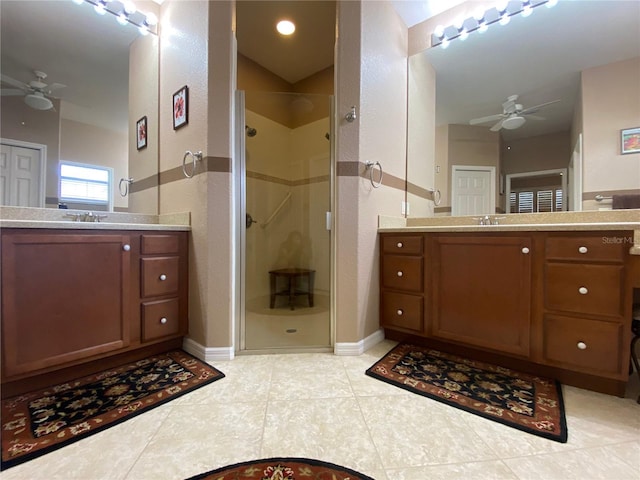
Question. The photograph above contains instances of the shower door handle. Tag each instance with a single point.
(249, 220)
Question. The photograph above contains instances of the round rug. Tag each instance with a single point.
(282, 469)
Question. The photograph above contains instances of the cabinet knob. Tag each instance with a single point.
(583, 290)
(163, 320)
(525, 250)
(399, 245)
(400, 273)
(126, 247)
(400, 312)
(583, 249)
(582, 345)
(163, 277)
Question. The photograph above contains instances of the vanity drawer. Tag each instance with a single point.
(402, 273)
(402, 244)
(159, 244)
(159, 276)
(401, 310)
(590, 289)
(160, 318)
(588, 344)
(605, 246)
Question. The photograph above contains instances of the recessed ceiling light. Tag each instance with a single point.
(285, 27)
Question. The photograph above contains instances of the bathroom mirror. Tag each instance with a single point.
(539, 58)
(92, 120)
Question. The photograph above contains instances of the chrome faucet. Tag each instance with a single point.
(487, 220)
(85, 217)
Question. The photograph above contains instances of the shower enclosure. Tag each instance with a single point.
(285, 271)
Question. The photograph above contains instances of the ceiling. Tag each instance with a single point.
(474, 77)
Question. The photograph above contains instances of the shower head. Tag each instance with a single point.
(251, 132)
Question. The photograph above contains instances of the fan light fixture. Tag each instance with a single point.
(479, 22)
(38, 101)
(285, 27)
(513, 122)
(125, 12)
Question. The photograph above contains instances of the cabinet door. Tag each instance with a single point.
(64, 298)
(482, 291)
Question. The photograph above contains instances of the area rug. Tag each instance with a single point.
(282, 469)
(45, 420)
(526, 402)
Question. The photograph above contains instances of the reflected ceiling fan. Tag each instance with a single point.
(512, 116)
(37, 94)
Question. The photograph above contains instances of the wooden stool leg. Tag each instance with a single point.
(272, 285)
(311, 277)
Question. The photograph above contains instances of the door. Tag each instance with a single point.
(473, 190)
(20, 176)
(286, 194)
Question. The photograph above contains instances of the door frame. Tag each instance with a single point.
(43, 161)
(477, 168)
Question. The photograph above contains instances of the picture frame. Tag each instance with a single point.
(181, 108)
(141, 133)
(630, 140)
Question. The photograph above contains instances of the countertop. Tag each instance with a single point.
(71, 225)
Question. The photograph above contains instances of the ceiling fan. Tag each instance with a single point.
(512, 116)
(37, 94)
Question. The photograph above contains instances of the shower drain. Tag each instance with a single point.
(291, 330)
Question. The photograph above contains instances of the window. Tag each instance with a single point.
(85, 183)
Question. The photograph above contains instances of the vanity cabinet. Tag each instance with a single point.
(552, 303)
(72, 298)
(585, 302)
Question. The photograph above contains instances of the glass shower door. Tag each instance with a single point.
(287, 194)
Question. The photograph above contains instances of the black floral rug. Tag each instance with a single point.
(282, 469)
(526, 402)
(42, 421)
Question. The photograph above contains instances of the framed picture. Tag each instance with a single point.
(181, 108)
(630, 140)
(141, 133)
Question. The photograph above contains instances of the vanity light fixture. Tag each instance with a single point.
(481, 20)
(124, 12)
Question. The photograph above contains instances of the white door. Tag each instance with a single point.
(473, 190)
(20, 172)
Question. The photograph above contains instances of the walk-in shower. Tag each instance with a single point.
(287, 248)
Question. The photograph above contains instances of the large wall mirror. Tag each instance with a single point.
(535, 61)
(84, 60)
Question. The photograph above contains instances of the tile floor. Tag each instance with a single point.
(323, 406)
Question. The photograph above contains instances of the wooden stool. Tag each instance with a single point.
(291, 275)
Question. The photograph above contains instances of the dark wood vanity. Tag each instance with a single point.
(554, 303)
(78, 301)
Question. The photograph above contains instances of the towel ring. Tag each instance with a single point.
(197, 156)
(370, 166)
(437, 196)
(127, 182)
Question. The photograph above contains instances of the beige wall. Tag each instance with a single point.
(545, 152)
(610, 103)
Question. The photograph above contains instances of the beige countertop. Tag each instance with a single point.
(40, 218)
(627, 220)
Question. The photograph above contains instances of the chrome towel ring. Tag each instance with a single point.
(370, 166)
(195, 157)
(437, 196)
(127, 183)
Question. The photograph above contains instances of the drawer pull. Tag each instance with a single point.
(582, 345)
(525, 250)
(163, 320)
(400, 312)
(163, 277)
(400, 245)
(126, 247)
(583, 290)
(400, 273)
(583, 249)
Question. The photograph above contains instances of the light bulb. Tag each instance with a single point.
(464, 35)
(504, 19)
(285, 27)
(445, 43)
(100, 8)
(151, 19)
(143, 30)
(439, 31)
(527, 10)
(482, 27)
(129, 7)
(502, 6)
(78, 2)
(551, 3)
(122, 19)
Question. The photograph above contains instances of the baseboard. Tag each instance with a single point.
(358, 348)
(207, 354)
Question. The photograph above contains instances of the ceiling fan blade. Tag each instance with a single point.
(13, 82)
(55, 86)
(497, 126)
(535, 108)
(534, 117)
(11, 92)
(490, 118)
